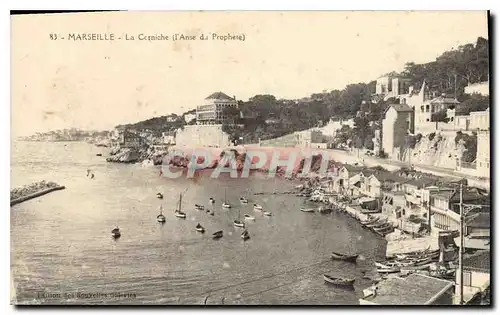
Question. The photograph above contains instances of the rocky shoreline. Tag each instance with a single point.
(27, 192)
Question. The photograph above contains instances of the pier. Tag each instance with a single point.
(18, 195)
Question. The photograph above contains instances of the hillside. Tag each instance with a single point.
(266, 117)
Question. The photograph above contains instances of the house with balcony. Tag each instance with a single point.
(445, 207)
(393, 206)
(413, 195)
(345, 174)
(476, 277)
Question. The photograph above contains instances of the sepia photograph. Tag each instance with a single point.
(276, 158)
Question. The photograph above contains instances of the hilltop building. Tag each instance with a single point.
(392, 85)
(211, 111)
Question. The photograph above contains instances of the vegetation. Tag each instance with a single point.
(469, 143)
(266, 117)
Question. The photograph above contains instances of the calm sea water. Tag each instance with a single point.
(61, 243)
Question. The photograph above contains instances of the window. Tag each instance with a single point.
(403, 211)
(426, 108)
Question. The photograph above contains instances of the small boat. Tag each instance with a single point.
(116, 232)
(386, 264)
(217, 234)
(256, 206)
(200, 228)
(178, 213)
(245, 235)
(159, 195)
(339, 281)
(98, 154)
(388, 270)
(243, 200)
(238, 223)
(267, 214)
(376, 223)
(211, 200)
(339, 256)
(325, 209)
(199, 207)
(160, 218)
(225, 204)
(249, 217)
(212, 213)
(307, 209)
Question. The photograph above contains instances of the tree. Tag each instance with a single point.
(231, 113)
(439, 116)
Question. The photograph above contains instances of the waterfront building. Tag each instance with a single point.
(168, 137)
(211, 111)
(130, 140)
(346, 172)
(393, 206)
(476, 277)
(202, 136)
(396, 125)
(416, 289)
(483, 154)
(444, 206)
(413, 195)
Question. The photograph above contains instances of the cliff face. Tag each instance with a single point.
(124, 156)
(437, 149)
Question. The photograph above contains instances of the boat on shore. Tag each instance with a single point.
(200, 228)
(345, 257)
(339, 281)
(217, 235)
(379, 222)
(267, 214)
(388, 269)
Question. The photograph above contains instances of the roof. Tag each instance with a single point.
(219, 96)
(389, 177)
(480, 220)
(478, 261)
(421, 182)
(390, 74)
(415, 289)
(444, 100)
(353, 168)
(402, 108)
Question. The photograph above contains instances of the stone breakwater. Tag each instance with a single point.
(21, 194)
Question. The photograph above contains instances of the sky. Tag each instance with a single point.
(63, 83)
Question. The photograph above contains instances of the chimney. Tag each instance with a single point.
(234, 97)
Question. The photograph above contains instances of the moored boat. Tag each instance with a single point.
(225, 204)
(340, 256)
(249, 217)
(307, 209)
(379, 222)
(243, 200)
(339, 281)
(199, 207)
(256, 206)
(217, 234)
(238, 223)
(159, 195)
(200, 228)
(116, 232)
(245, 235)
(178, 212)
(211, 200)
(160, 218)
(267, 214)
